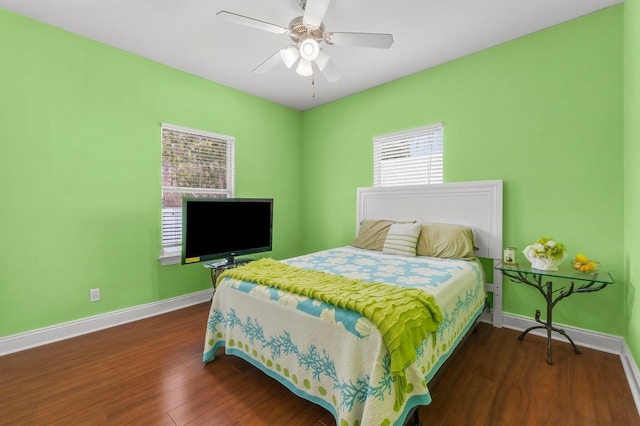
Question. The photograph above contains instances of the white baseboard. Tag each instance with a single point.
(487, 316)
(54, 333)
(581, 337)
(633, 374)
(590, 339)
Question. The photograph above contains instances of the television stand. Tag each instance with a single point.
(220, 266)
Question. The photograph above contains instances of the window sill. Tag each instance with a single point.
(170, 256)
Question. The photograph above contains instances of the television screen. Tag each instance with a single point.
(222, 228)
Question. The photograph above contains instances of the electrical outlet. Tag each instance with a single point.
(94, 294)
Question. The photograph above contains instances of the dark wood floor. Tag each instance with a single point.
(150, 372)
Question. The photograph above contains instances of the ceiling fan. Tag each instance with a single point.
(308, 33)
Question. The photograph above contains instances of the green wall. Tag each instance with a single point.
(80, 172)
(543, 112)
(80, 154)
(632, 173)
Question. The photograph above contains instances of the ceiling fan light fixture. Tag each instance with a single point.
(289, 55)
(304, 68)
(309, 49)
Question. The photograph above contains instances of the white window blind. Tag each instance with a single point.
(194, 164)
(411, 157)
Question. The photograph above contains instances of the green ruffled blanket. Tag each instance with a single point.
(404, 316)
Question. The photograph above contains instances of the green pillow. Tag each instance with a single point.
(372, 234)
(446, 240)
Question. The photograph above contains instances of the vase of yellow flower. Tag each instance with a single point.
(545, 254)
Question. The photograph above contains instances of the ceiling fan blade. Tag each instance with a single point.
(268, 64)
(250, 22)
(322, 60)
(314, 12)
(330, 72)
(377, 40)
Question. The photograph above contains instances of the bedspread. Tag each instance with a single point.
(334, 357)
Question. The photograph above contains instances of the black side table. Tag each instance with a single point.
(219, 267)
(579, 282)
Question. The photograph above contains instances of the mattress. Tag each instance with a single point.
(337, 358)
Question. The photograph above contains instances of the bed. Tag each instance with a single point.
(338, 358)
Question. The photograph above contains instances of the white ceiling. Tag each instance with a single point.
(187, 35)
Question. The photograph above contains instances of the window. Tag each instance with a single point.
(194, 164)
(411, 157)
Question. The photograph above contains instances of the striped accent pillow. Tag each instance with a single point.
(402, 239)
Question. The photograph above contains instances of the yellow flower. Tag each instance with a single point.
(581, 258)
(583, 264)
(589, 267)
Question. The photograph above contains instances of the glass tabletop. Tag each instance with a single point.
(564, 271)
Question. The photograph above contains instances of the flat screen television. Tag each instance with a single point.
(222, 228)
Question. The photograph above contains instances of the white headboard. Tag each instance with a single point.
(477, 205)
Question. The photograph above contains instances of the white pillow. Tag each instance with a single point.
(402, 239)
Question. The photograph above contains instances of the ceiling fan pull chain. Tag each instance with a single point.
(313, 86)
